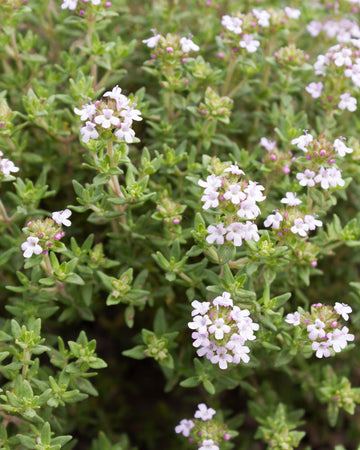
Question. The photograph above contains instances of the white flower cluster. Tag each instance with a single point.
(325, 176)
(186, 43)
(203, 425)
(293, 220)
(7, 166)
(259, 17)
(115, 113)
(237, 199)
(72, 4)
(221, 330)
(344, 30)
(345, 57)
(324, 331)
(43, 233)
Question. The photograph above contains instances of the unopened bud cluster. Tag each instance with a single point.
(221, 330)
(236, 200)
(277, 161)
(44, 233)
(291, 57)
(203, 430)
(216, 106)
(109, 118)
(323, 327)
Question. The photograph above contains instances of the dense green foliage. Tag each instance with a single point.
(95, 347)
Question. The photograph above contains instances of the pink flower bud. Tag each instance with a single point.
(226, 436)
(314, 263)
(108, 4)
(82, 12)
(169, 49)
(273, 157)
(41, 235)
(322, 152)
(176, 221)
(220, 55)
(331, 161)
(334, 324)
(184, 60)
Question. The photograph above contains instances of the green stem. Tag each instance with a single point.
(93, 66)
(229, 74)
(25, 367)
(46, 264)
(5, 218)
(185, 277)
(17, 55)
(238, 262)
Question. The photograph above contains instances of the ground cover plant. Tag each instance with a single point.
(179, 224)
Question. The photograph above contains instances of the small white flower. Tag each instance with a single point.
(303, 141)
(268, 145)
(125, 132)
(184, 427)
(208, 444)
(306, 178)
(62, 217)
(315, 89)
(300, 227)
(321, 348)
(249, 43)
(216, 234)
(31, 246)
(343, 310)
(223, 300)
(316, 330)
(314, 28)
(232, 24)
(291, 199)
(262, 16)
(292, 13)
(200, 307)
(234, 194)
(69, 4)
(211, 184)
(218, 328)
(152, 41)
(338, 338)
(347, 102)
(89, 132)
(187, 45)
(235, 170)
(87, 112)
(120, 99)
(293, 319)
(312, 222)
(7, 166)
(211, 199)
(235, 233)
(203, 412)
(341, 148)
(106, 119)
(274, 220)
